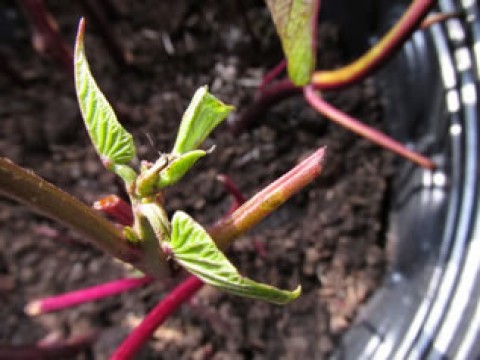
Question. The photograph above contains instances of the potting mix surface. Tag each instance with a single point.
(330, 238)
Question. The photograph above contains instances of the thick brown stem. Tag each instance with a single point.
(43, 197)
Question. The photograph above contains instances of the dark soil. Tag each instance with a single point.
(329, 238)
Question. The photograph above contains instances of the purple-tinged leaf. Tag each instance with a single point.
(295, 21)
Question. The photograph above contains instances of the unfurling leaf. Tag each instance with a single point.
(204, 113)
(178, 168)
(295, 21)
(113, 143)
(195, 250)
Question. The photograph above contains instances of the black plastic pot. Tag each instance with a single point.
(428, 306)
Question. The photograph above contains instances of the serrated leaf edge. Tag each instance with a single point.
(113, 149)
(194, 249)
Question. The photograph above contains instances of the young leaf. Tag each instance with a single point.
(125, 172)
(113, 143)
(146, 183)
(203, 114)
(178, 168)
(295, 21)
(195, 250)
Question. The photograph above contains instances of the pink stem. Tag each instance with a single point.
(239, 199)
(73, 298)
(343, 76)
(142, 333)
(231, 187)
(361, 129)
(272, 75)
(440, 17)
(117, 208)
(267, 200)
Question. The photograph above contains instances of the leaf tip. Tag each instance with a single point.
(200, 93)
(291, 295)
(80, 32)
(322, 155)
(297, 292)
(284, 297)
(229, 108)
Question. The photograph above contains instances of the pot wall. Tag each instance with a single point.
(428, 305)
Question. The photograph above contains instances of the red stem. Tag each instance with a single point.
(156, 317)
(272, 75)
(344, 76)
(231, 187)
(361, 129)
(270, 96)
(58, 302)
(390, 44)
(115, 207)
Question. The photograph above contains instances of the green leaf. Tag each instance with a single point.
(147, 182)
(178, 168)
(125, 172)
(158, 220)
(195, 250)
(113, 143)
(203, 114)
(295, 21)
